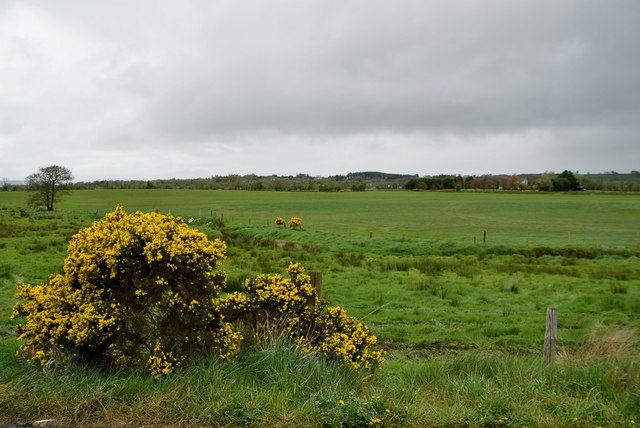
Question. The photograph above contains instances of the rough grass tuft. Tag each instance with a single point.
(604, 342)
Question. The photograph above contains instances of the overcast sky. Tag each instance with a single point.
(159, 89)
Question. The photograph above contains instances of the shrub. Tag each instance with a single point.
(274, 305)
(280, 222)
(143, 289)
(136, 288)
(295, 223)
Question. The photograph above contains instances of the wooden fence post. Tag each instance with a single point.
(550, 335)
(316, 281)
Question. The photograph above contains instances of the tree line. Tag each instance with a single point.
(546, 182)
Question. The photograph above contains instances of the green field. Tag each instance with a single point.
(536, 219)
(412, 265)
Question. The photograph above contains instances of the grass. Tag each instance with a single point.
(275, 387)
(512, 219)
(467, 361)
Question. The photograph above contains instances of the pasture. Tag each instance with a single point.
(413, 266)
(511, 219)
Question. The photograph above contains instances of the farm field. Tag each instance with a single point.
(536, 219)
(405, 263)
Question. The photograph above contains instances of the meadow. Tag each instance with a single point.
(462, 318)
(512, 219)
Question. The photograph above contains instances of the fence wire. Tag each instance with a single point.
(430, 335)
(521, 339)
(478, 311)
(473, 311)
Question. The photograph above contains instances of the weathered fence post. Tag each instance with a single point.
(316, 281)
(550, 335)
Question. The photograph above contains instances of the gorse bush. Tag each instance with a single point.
(275, 305)
(295, 223)
(136, 288)
(144, 289)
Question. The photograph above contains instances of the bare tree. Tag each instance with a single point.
(48, 185)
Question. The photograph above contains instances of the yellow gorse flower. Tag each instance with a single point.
(295, 223)
(144, 288)
(293, 307)
(130, 283)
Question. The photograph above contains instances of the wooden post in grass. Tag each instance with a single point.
(316, 281)
(550, 335)
(484, 237)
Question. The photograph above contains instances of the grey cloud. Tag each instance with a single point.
(498, 67)
(156, 75)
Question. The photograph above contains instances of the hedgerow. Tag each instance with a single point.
(144, 289)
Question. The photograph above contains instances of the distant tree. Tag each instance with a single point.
(482, 182)
(565, 181)
(513, 183)
(545, 183)
(48, 185)
(359, 187)
(280, 222)
(412, 184)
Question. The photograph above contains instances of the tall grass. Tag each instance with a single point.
(277, 387)
(272, 385)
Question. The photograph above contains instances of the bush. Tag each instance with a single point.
(295, 223)
(138, 288)
(273, 305)
(143, 289)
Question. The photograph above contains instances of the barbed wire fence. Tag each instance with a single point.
(548, 319)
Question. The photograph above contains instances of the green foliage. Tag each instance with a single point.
(275, 386)
(275, 305)
(359, 187)
(565, 181)
(144, 288)
(355, 411)
(278, 386)
(135, 288)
